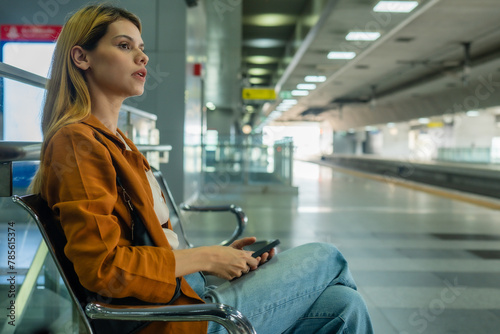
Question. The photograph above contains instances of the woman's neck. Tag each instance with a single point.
(106, 111)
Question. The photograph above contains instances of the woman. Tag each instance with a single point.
(98, 62)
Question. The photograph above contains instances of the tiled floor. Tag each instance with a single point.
(425, 264)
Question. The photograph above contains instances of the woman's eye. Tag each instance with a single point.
(124, 46)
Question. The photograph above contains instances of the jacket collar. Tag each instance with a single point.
(95, 123)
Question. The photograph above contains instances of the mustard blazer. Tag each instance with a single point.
(79, 184)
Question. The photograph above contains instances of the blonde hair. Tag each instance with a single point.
(67, 97)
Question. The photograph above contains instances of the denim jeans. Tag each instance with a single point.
(307, 289)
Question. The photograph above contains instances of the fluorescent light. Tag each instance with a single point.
(258, 71)
(283, 107)
(264, 43)
(307, 86)
(424, 120)
(298, 92)
(395, 6)
(472, 113)
(256, 81)
(362, 36)
(261, 59)
(341, 55)
(289, 102)
(315, 78)
(391, 125)
(270, 20)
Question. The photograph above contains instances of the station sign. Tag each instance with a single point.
(29, 33)
(258, 94)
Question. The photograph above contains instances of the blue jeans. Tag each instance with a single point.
(307, 289)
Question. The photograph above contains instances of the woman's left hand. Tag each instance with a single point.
(239, 244)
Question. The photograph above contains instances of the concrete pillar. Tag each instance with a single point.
(223, 82)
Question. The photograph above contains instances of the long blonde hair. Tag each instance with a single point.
(67, 97)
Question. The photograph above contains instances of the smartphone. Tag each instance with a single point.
(260, 248)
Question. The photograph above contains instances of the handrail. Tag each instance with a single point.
(19, 151)
(17, 74)
(29, 151)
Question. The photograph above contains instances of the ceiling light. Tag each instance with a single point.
(258, 71)
(289, 101)
(261, 59)
(362, 36)
(395, 6)
(472, 113)
(298, 92)
(315, 78)
(283, 107)
(210, 105)
(264, 43)
(270, 20)
(341, 55)
(307, 86)
(256, 81)
(424, 120)
(391, 125)
(246, 129)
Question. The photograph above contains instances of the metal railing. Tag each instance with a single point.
(482, 155)
(251, 164)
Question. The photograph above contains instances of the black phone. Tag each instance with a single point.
(260, 248)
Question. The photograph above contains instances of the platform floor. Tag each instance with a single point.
(425, 263)
(426, 260)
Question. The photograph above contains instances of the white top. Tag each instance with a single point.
(160, 206)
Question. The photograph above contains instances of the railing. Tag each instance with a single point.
(250, 164)
(481, 155)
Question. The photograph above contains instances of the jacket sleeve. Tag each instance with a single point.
(80, 186)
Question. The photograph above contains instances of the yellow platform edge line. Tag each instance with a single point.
(413, 185)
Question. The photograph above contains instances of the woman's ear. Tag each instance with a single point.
(79, 57)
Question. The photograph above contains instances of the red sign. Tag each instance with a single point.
(31, 33)
(197, 67)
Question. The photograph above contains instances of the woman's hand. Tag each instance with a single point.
(229, 262)
(239, 244)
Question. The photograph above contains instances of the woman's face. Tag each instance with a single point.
(117, 66)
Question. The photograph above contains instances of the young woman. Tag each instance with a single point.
(99, 61)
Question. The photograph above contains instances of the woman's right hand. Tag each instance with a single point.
(229, 263)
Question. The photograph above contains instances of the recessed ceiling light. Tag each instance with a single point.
(315, 78)
(472, 113)
(307, 86)
(261, 60)
(270, 20)
(298, 92)
(258, 71)
(395, 6)
(264, 43)
(256, 81)
(289, 101)
(341, 55)
(362, 36)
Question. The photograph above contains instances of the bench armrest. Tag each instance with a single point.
(230, 318)
(241, 218)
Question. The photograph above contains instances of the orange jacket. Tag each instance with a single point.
(79, 183)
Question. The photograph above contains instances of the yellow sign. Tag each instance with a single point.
(258, 94)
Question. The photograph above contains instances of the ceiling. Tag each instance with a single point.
(442, 57)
